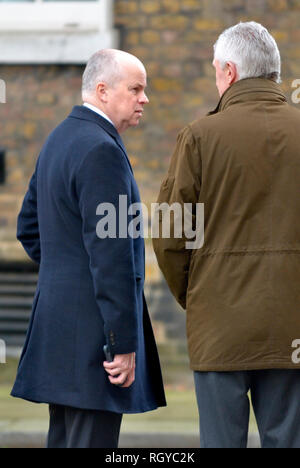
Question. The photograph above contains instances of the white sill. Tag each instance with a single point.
(54, 48)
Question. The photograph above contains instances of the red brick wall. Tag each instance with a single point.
(174, 38)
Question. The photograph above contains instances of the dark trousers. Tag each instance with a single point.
(224, 407)
(77, 428)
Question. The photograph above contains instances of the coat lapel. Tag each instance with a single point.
(84, 113)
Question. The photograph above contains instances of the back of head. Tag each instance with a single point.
(252, 49)
(102, 66)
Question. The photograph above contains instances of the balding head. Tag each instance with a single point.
(107, 66)
(114, 82)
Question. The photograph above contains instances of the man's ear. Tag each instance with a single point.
(231, 73)
(101, 91)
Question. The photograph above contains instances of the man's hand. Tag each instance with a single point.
(122, 370)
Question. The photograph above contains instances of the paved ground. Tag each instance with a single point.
(24, 424)
(127, 440)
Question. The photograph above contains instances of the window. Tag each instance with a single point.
(54, 31)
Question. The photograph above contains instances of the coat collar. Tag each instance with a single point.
(84, 113)
(250, 89)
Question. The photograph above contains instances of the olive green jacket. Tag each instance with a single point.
(241, 290)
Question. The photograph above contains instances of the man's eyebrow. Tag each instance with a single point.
(138, 85)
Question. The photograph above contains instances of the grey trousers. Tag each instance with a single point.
(224, 407)
(76, 428)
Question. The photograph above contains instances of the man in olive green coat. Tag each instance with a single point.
(241, 289)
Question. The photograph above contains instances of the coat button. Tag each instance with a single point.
(112, 338)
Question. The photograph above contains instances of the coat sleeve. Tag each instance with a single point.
(28, 225)
(182, 185)
(102, 177)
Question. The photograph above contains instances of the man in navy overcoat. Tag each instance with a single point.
(90, 288)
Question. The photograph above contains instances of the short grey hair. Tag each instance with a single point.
(252, 49)
(102, 66)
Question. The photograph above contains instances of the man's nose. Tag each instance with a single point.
(144, 99)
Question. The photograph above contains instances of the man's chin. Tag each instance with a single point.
(135, 122)
(132, 123)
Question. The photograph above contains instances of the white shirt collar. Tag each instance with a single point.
(98, 111)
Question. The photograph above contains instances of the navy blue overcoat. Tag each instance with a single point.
(90, 290)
